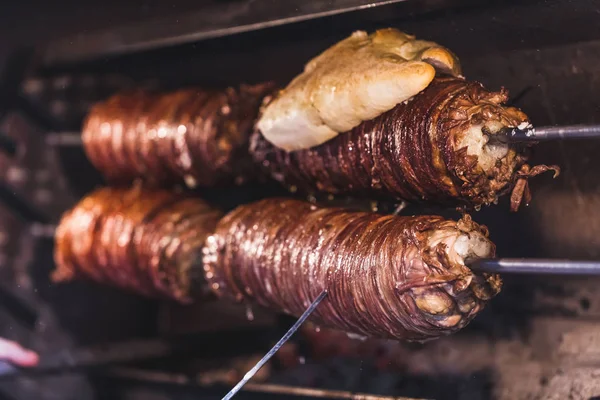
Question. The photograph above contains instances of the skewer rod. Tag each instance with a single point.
(65, 139)
(563, 132)
(536, 266)
(42, 230)
(277, 346)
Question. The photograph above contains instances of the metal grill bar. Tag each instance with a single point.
(77, 359)
(317, 393)
(157, 377)
(214, 20)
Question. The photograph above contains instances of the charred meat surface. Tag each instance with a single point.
(438, 147)
(441, 146)
(147, 242)
(386, 276)
(192, 135)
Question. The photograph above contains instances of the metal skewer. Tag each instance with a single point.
(65, 139)
(544, 133)
(528, 134)
(39, 230)
(277, 346)
(536, 266)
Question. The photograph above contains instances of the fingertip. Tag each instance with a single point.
(29, 359)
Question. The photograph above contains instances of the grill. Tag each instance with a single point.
(536, 340)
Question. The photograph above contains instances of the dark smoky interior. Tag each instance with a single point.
(537, 340)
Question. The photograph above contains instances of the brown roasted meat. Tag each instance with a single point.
(442, 146)
(438, 147)
(386, 276)
(147, 242)
(193, 135)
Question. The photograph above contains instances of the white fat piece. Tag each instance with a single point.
(477, 144)
(353, 81)
(462, 246)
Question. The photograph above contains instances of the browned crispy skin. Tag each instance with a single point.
(381, 275)
(408, 153)
(194, 135)
(147, 242)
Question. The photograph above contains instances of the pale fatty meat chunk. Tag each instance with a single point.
(353, 81)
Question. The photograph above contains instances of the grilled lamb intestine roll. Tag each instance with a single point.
(438, 147)
(386, 276)
(147, 242)
(192, 135)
